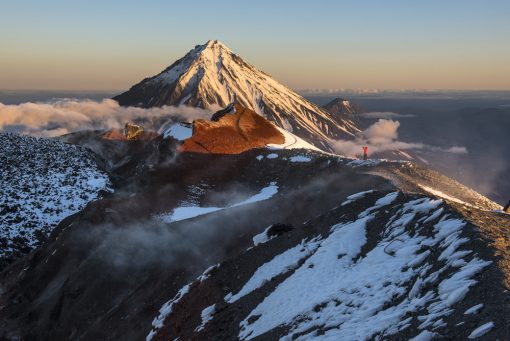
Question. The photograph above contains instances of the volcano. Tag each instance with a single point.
(212, 76)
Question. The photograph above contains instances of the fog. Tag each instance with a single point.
(207, 239)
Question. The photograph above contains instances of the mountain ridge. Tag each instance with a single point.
(88, 256)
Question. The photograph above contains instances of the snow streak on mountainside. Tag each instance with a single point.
(42, 181)
(211, 75)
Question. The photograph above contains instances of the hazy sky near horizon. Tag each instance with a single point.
(393, 44)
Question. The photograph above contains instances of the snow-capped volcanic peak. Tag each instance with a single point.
(206, 57)
(211, 75)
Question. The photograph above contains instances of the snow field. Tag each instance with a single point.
(365, 295)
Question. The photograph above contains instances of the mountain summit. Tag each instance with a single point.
(341, 106)
(211, 75)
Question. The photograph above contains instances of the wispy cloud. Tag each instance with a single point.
(383, 114)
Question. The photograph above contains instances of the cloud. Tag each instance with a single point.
(68, 115)
(382, 130)
(382, 136)
(383, 114)
(456, 150)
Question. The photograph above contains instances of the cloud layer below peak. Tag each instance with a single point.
(69, 115)
(382, 136)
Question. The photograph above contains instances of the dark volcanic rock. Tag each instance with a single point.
(279, 229)
(120, 268)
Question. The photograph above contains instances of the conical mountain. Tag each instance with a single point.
(211, 75)
(341, 106)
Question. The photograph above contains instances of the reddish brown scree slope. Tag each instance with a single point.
(232, 134)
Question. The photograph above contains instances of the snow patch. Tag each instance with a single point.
(166, 310)
(292, 142)
(482, 330)
(264, 194)
(181, 213)
(207, 316)
(474, 309)
(278, 265)
(424, 336)
(300, 158)
(356, 196)
(359, 163)
(187, 212)
(443, 195)
(262, 237)
(178, 131)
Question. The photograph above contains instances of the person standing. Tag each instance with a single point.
(365, 152)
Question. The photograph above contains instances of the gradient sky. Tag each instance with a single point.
(99, 45)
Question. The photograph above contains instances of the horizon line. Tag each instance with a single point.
(305, 90)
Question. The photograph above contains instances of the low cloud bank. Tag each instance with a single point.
(382, 136)
(383, 114)
(69, 115)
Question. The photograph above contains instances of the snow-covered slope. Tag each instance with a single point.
(392, 267)
(292, 142)
(177, 130)
(42, 181)
(211, 75)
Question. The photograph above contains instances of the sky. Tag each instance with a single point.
(363, 44)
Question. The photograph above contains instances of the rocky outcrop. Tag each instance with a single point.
(131, 132)
(232, 131)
